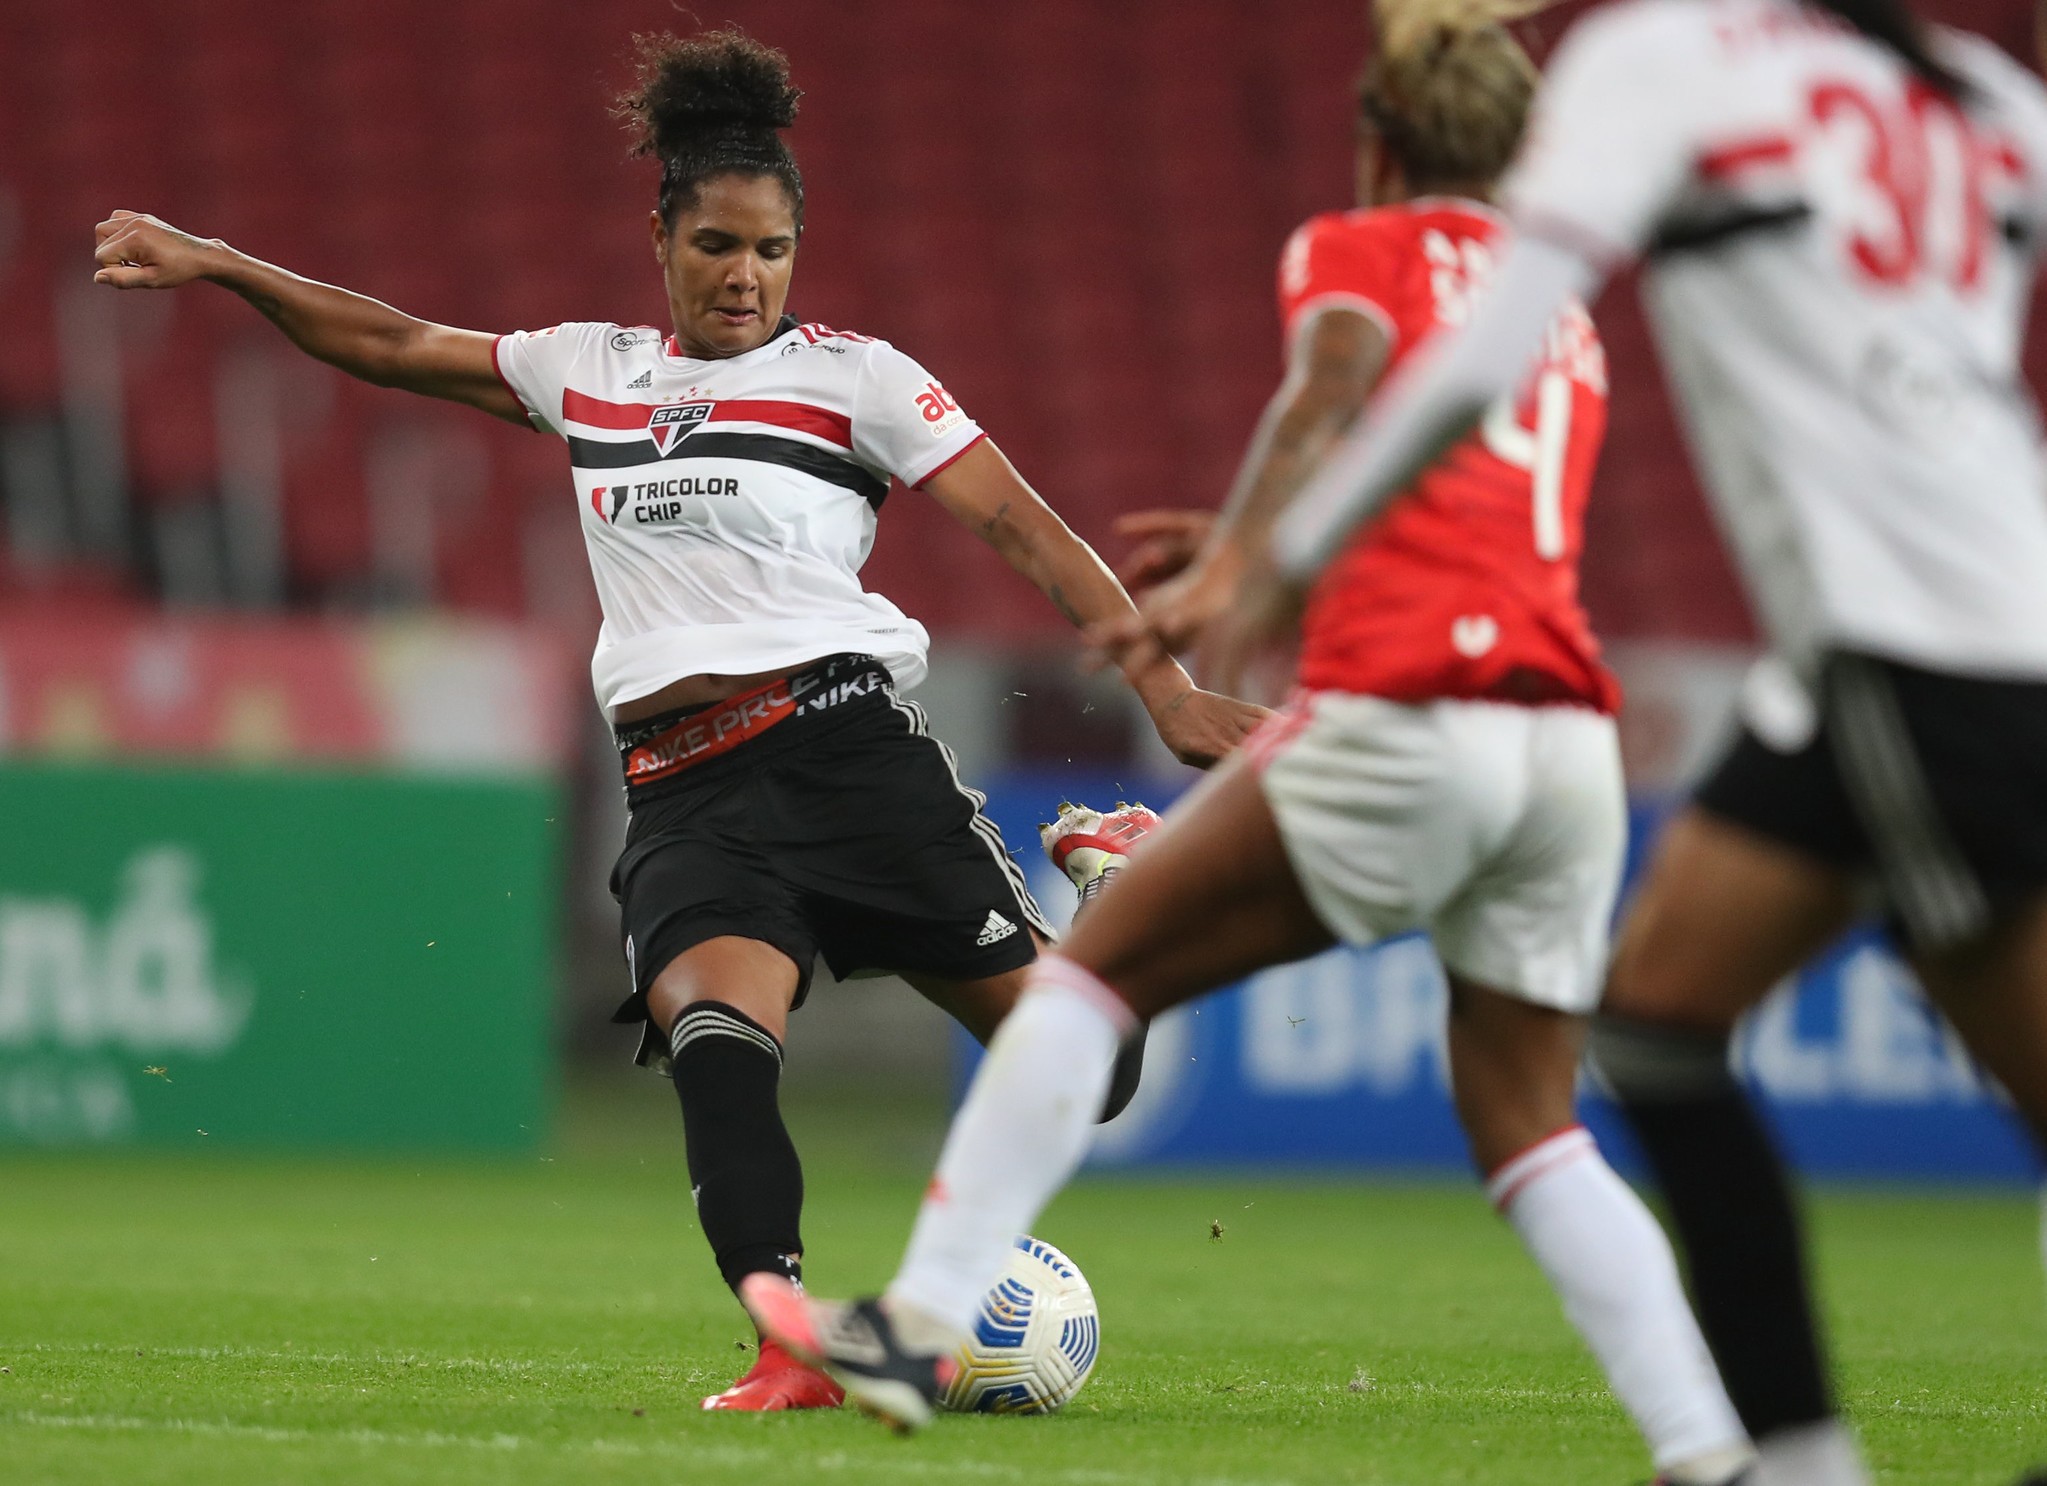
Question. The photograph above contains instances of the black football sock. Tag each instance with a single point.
(1737, 1222)
(1125, 1075)
(743, 1167)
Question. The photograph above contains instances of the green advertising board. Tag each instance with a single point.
(209, 957)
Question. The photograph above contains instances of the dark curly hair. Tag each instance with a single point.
(711, 105)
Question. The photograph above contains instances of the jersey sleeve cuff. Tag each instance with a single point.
(945, 462)
(533, 420)
(1343, 299)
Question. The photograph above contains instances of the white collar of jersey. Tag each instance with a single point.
(673, 351)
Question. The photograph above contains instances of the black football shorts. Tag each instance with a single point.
(1935, 783)
(841, 829)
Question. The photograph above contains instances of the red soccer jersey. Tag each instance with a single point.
(1467, 585)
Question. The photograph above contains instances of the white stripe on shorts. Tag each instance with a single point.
(1930, 882)
(986, 829)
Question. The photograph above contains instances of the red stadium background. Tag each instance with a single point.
(1070, 210)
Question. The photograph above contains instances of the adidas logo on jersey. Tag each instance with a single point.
(995, 930)
(643, 381)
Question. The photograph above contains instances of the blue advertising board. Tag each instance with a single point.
(1339, 1060)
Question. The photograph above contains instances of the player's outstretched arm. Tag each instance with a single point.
(364, 337)
(983, 490)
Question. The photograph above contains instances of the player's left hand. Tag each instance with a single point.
(1203, 728)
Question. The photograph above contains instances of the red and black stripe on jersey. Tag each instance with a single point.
(702, 440)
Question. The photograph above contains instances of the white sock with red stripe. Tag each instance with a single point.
(1026, 1124)
(1611, 1265)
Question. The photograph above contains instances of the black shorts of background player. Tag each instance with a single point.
(724, 236)
(1930, 788)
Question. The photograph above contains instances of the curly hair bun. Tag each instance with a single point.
(718, 82)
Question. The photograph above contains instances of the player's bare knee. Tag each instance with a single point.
(749, 976)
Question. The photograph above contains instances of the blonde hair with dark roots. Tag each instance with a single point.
(1448, 88)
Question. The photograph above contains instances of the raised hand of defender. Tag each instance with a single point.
(138, 251)
(1266, 610)
(1173, 615)
(1167, 544)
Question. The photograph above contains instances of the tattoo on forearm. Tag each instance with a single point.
(1058, 597)
(988, 526)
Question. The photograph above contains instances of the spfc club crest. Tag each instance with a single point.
(674, 423)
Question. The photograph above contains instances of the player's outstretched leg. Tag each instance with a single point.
(1017, 1140)
(1514, 1070)
(1724, 915)
(724, 1004)
(1211, 900)
(1092, 848)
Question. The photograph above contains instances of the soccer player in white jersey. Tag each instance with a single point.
(1839, 209)
(728, 471)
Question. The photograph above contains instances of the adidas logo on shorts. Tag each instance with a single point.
(644, 379)
(995, 930)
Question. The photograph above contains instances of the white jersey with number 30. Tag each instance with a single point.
(1839, 264)
(728, 505)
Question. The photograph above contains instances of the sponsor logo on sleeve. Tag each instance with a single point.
(625, 340)
(940, 413)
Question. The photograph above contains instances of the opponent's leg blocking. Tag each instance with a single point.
(1731, 1202)
(1016, 1141)
(1612, 1267)
(1125, 1076)
(743, 1168)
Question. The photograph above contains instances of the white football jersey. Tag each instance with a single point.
(1839, 261)
(727, 506)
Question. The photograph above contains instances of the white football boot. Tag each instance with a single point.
(1091, 847)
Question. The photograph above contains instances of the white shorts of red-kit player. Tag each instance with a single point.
(1499, 829)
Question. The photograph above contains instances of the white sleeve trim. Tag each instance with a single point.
(1315, 306)
(497, 361)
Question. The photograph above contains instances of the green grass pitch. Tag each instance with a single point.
(213, 1321)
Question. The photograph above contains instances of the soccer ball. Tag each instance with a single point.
(1035, 1339)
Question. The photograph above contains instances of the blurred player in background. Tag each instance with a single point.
(1840, 210)
(785, 801)
(1450, 763)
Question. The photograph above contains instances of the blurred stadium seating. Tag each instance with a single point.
(1069, 209)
